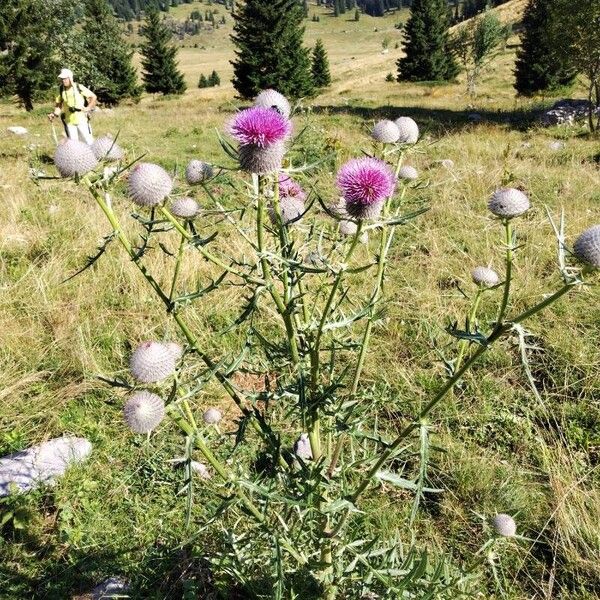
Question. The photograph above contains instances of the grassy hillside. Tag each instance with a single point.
(498, 447)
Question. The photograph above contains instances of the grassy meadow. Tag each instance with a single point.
(498, 448)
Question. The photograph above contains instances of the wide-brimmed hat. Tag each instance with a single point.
(66, 74)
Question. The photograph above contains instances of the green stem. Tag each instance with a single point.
(508, 277)
(177, 268)
(472, 316)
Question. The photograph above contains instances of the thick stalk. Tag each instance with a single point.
(508, 275)
(177, 268)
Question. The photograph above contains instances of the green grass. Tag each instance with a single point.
(499, 449)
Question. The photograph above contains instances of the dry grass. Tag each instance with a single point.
(56, 337)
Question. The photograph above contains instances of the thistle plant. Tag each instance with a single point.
(303, 258)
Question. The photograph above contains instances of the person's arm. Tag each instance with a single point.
(56, 112)
(90, 96)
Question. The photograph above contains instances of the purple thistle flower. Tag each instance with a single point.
(288, 188)
(365, 183)
(260, 127)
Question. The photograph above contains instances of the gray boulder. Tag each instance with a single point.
(567, 112)
(41, 464)
(113, 587)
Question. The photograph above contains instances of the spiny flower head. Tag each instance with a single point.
(587, 247)
(198, 171)
(288, 188)
(409, 130)
(408, 172)
(185, 208)
(212, 416)
(105, 148)
(302, 447)
(143, 411)
(275, 101)
(508, 203)
(504, 525)
(149, 184)
(365, 183)
(349, 228)
(152, 361)
(72, 157)
(485, 277)
(386, 132)
(260, 126)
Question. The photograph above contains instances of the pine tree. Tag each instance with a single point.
(214, 79)
(260, 63)
(428, 57)
(160, 74)
(113, 77)
(202, 82)
(320, 66)
(539, 67)
(33, 33)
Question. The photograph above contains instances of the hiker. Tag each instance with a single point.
(73, 105)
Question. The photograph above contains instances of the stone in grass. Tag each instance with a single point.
(17, 130)
(113, 587)
(41, 464)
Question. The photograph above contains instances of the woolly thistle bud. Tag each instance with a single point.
(508, 203)
(302, 447)
(274, 100)
(198, 171)
(348, 228)
(149, 184)
(587, 247)
(105, 148)
(504, 525)
(152, 361)
(409, 130)
(485, 277)
(143, 412)
(386, 132)
(448, 163)
(212, 416)
(185, 208)
(200, 469)
(72, 157)
(254, 159)
(408, 172)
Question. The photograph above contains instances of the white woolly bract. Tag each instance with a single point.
(175, 349)
(149, 184)
(72, 157)
(212, 416)
(275, 100)
(409, 130)
(152, 361)
(485, 277)
(386, 132)
(408, 172)
(143, 412)
(587, 247)
(364, 211)
(185, 208)
(504, 525)
(105, 148)
(198, 171)
(508, 203)
(254, 159)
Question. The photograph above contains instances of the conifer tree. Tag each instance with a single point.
(33, 34)
(106, 55)
(202, 81)
(214, 79)
(262, 64)
(320, 66)
(160, 73)
(539, 66)
(428, 56)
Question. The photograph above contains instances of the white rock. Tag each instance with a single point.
(17, 130)
(201, 470)
(556, 145)
(113, 587)
(41, 464)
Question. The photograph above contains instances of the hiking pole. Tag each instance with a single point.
(54, 136)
